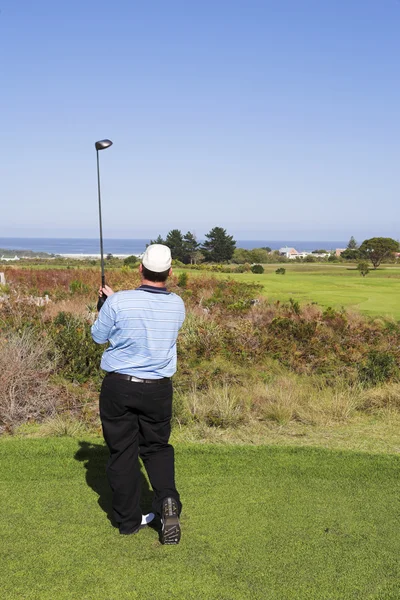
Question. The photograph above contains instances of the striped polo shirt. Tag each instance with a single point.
(141, 327)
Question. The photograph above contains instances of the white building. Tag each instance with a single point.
(288, 252)
(7, 259)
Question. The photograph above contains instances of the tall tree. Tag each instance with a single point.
(377, 249)
(174, 241)
(352, 245)
(159, 240)
(190, 246)
(219, 246)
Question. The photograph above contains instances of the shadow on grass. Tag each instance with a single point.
(94, 457)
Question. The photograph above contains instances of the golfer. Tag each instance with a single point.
(141, 326)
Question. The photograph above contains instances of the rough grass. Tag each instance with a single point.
(240, 363)
(258, 523)
(285, 398)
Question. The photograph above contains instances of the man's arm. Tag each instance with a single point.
(101, 328)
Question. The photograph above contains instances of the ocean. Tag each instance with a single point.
(91, 246)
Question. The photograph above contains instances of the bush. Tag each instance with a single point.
(227, 294)
(26, 363)
(182, 280)
(131, 261)
(379, 367)
(240, 269)
(280, 271)
(257, 269)
(78, 287)
(363, 267)
(79, 355)
(178, 263)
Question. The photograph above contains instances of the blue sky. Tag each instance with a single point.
(276, 119)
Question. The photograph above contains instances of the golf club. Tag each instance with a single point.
(101, 145)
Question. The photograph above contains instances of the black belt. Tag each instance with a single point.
(136, 379)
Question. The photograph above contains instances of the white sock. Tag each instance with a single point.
(146, 519)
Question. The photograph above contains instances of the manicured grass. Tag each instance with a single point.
(259, 522)
(332, 285)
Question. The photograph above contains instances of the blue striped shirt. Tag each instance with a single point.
(141, 326)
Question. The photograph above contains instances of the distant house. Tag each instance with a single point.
(288, 252)
(339, 251)
(9, 258)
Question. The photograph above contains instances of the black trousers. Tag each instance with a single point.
(136, 421)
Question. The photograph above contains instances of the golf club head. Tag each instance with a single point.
(103, 144)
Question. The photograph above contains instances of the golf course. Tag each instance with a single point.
(289, 475)
(332, 285)
(200, 300)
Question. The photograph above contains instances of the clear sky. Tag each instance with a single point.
(276, 119)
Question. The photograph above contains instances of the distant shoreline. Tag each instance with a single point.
(93, 256)
(89, 247)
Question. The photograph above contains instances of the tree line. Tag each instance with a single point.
(218, 246)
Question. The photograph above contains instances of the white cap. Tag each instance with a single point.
(157, 258)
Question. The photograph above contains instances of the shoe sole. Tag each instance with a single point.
(171, 527)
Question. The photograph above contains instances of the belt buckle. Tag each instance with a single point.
(136, 379)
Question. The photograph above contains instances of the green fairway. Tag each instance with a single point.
(376, 294)
(258, 523)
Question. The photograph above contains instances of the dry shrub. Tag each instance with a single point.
(311, 312)
(48, 280)
(200, 335)
(289, 398)
(285, 399)
(263, 313)
(76, 305)
(277, 401)
(221, 406)
(241, 338)
(78, 279)
(63, 425)
(380, 398)
(19, 313)
(26, 363)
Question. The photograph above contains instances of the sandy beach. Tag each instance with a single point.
(95, 256)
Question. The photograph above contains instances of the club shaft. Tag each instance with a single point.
(103, 279)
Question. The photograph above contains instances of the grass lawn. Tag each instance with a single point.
(376, 294)
(259, 522)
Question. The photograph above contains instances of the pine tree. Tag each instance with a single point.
(352, 245)
(219, 246)
(159, 240)
(174, 241)
(191, 246)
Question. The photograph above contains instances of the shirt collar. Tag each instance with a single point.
(154, 289)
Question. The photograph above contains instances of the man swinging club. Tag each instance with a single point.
(141, 326)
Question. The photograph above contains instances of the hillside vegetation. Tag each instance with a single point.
(244, 360)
